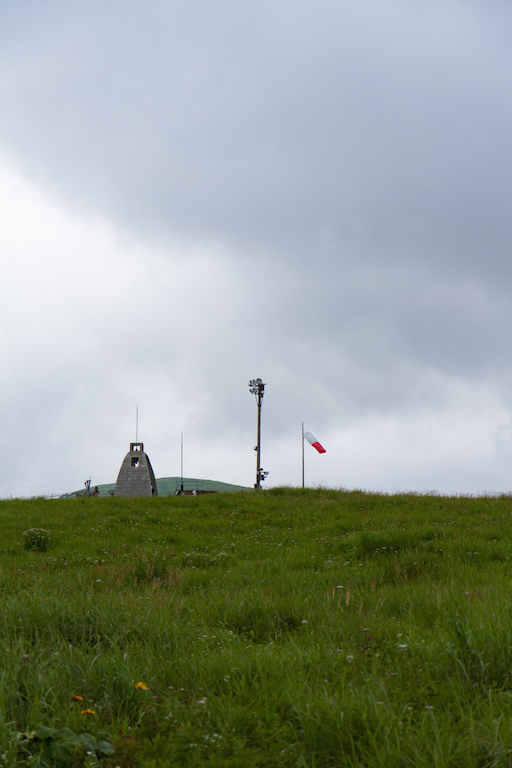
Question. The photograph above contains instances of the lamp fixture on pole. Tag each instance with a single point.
(257, 388)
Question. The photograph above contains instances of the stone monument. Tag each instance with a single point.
(136, 477)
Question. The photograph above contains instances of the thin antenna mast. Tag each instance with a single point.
(137, 424)
(182, 463)
(303, 454)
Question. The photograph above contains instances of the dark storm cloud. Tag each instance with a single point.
(300, 129)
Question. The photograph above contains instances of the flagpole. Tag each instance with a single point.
(303, 454)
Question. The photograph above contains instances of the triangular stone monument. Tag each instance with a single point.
(136, 476)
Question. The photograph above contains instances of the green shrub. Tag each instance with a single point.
(37, 539)
(53, 747)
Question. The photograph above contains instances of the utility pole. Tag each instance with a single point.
(257, 388)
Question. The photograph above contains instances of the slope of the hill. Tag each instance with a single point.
(314, 628)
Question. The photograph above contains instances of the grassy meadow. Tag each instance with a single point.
(283, 628)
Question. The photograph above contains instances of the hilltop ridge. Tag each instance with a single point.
(167, 486)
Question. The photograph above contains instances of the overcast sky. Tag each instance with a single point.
(196, 194)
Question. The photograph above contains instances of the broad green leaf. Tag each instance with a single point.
(105, 748)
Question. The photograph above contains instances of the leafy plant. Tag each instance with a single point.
(37, 539)
(54, 748)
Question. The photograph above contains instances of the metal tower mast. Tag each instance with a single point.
(257, 388)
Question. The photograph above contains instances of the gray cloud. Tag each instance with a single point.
(269, 127)
(315, 193)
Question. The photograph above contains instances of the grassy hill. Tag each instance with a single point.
(167, 486)
(283, 628)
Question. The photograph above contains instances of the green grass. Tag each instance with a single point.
(283, 628)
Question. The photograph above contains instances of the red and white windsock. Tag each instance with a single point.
(314, 442)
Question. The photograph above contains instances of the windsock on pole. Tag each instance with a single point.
(314, 442)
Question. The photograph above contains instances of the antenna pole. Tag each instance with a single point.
(182, 463)
(303, 454)
(137, 424)
(257, 388)
(258, 444)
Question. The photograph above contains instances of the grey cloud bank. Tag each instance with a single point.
(317, 194)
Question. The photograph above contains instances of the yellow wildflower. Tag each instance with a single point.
(88, 712)
(75, 697)
(141, 687)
